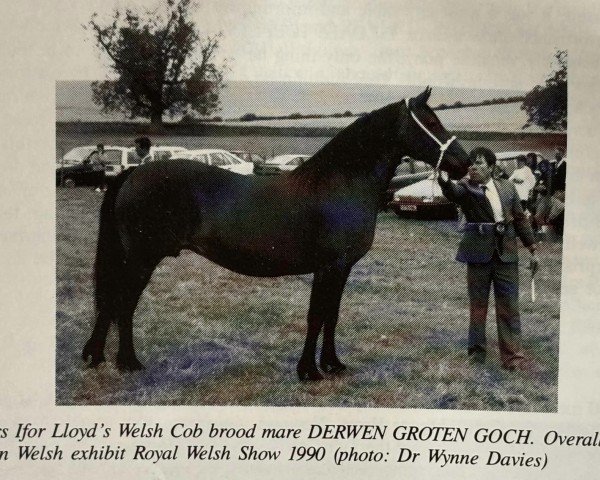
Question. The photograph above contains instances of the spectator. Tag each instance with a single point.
(99, 157)
(560, 174)
(547, 210)
(532, 161)
(523, 179)
(142, 149)
(543, 173)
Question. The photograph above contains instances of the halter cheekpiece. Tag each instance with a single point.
(443, 146)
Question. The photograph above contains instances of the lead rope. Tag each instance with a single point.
(443, 146)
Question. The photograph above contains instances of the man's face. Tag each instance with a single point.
(480, 171)
(558, 155)
(141, 152)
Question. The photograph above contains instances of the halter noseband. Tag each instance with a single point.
(443, 146)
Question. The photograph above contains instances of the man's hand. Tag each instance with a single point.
(443, 177)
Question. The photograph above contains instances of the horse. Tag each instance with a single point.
(319, 218)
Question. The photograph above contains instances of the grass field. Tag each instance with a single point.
(209, 336)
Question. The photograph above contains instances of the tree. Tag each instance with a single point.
(546, 105)
(248, 117)
(162, 64)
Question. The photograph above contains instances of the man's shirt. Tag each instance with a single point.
(492, 195)
(528, 181)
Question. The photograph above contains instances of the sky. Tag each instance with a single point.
(459, 43)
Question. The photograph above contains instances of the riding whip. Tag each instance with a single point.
(533, 267)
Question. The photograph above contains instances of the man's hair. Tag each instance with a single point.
(486, 153)
(532, 155)
(143, 142)
(100, 146)
(522, 158)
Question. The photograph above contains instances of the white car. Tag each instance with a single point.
(75, 155)
(423, 200)
(281, 163)
(217, 158)
(116, 159)
(161, 152)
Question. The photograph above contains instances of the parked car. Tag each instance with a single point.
(248, 156)
(90, 171)
(75, 156)
(217, 158)
(280, 163)
(118, 159)
(409, 171)
(423, 200)
(81, 165)
(164, 152)
(506, 162)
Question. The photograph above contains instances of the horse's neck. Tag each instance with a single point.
(345, 159)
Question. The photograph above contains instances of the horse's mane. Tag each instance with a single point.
(356, 146)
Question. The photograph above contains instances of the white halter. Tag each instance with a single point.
(443, 146)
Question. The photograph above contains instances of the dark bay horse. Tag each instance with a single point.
(318, 219)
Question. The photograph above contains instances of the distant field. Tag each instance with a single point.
(74, 98)
(208, 336)
(491, 118)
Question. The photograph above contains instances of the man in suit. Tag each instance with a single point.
(142, 147)
(494, 218)
(560, 174)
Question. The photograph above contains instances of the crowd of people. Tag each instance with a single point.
(541, 188)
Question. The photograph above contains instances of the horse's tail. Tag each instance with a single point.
(110, 254)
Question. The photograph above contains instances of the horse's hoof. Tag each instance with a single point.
(309, 375)
(130, 365)
(96, 361)
(333, 368)
(90, 350)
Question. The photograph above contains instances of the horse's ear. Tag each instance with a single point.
(422, 98)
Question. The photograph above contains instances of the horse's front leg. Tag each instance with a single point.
(325, 298)
(330, 363)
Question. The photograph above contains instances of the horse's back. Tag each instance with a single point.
(160, 203)
(250, 224)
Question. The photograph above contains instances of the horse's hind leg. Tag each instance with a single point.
(108, 285)
(94, 348)
(137, 275)
(325, 297)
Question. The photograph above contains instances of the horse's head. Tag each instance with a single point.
(426, 138)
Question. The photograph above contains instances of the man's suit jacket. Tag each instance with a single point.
(478, 244)
(560, 177)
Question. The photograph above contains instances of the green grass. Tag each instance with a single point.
(209, 336)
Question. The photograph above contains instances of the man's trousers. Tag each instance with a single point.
(505, 279)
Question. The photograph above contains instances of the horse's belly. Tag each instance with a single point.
(259, 263)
